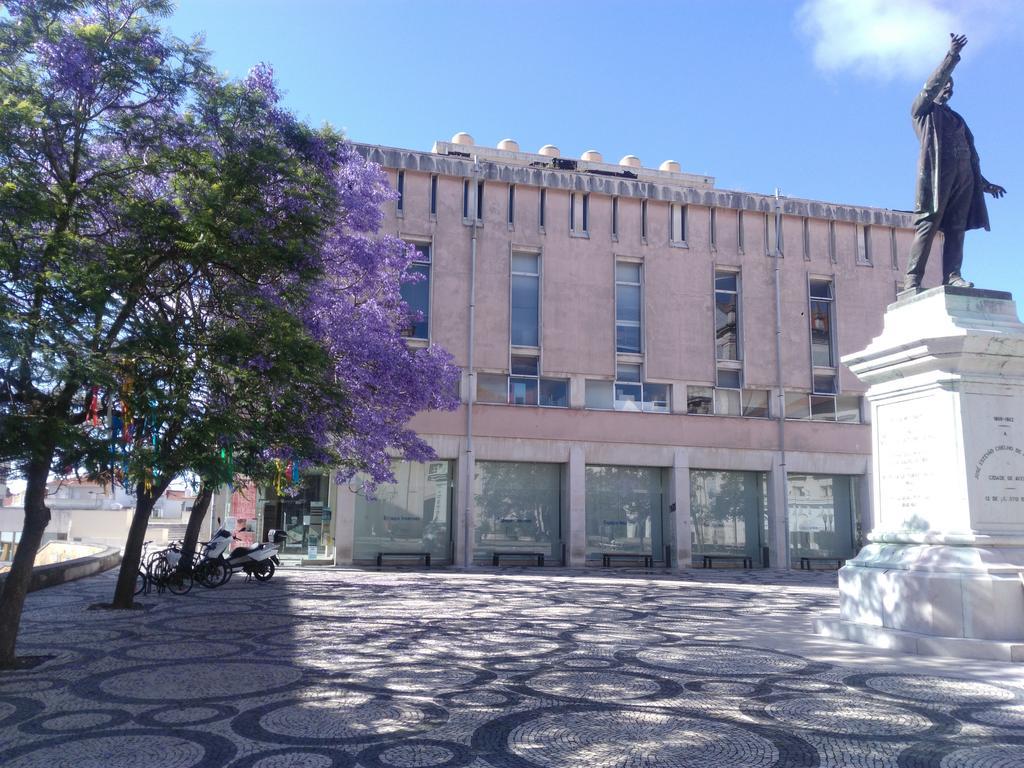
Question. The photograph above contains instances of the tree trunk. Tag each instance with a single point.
(124, 592)
(37, 517)
(195, 521)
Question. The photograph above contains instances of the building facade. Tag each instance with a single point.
(651, 366)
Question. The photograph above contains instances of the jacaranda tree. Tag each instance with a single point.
(186, 271)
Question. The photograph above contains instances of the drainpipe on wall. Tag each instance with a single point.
(470, 370)
(784, 555)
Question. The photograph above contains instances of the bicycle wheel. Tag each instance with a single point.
(179, 582)
(158, 569)
(141, 579)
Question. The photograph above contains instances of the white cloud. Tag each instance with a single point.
(897, 38)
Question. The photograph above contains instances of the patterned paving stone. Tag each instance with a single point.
(512, 669)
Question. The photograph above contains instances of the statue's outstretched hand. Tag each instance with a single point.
(994, 189)
(956, 43)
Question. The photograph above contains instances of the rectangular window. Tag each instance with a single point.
(832, 255)
(523, 384)
(739, 231)
(579, 213)
(822, 522)
(643, 219)
(893, 249)
(713, 228)
(807, 239)
(543, 207)
(863, 244)
(624, 511)
(433, 195)
(400, 202)
(634, 394)
(416, 293)
(518, 508)
(823, 407)
(728, 400)
(727, 316)
(479, 201)
(677, 215)
(656, 397)
(525, 300)
(615, 218)
(554, 393)
(848, 408)
(628, 388)
(822, 316)
(755, 403)
(728, 509)
(797, 405)
(412, 514)
(700, 400)
(491, 388)
(628, 307)
(511, 205)
(467, 203)
(599, 395)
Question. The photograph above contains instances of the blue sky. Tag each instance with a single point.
(810, 96)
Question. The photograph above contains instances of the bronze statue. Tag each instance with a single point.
(950, 186)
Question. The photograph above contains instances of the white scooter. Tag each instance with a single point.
(258, 561)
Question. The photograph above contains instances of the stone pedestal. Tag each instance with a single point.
(943, 572)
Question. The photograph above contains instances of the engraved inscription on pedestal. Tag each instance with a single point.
(997, 477)
(910, 478)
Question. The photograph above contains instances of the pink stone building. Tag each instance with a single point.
(651, 365)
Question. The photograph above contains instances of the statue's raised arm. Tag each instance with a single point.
(950, 188)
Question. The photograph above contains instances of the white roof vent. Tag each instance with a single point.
(630, 161)
(592, 156)
(549, 150)
(670, 165)
(463, 138)
(509, 145)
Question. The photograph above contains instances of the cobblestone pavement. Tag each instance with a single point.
(511, 669)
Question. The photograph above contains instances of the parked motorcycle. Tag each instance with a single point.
(258, 561)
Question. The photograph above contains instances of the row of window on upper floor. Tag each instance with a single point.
(526, 385)
(629, 392)
(773, 239)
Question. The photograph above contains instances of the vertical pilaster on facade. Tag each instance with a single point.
(678, 399)
(464, 514)
(344, 528)
(682, 519)
(577, 507)
(577, 391)
(778, 546)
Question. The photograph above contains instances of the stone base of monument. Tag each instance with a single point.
(942, 599)
(943, 573)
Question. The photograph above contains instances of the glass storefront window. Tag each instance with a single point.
(624, 511)
(412, 514)
(728, 510)
(821, 516)
(305, 516)
(518, 509)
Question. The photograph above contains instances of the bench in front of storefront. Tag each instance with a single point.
(496, 556)
(709, 560)
(425, 556)
(607, 557)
